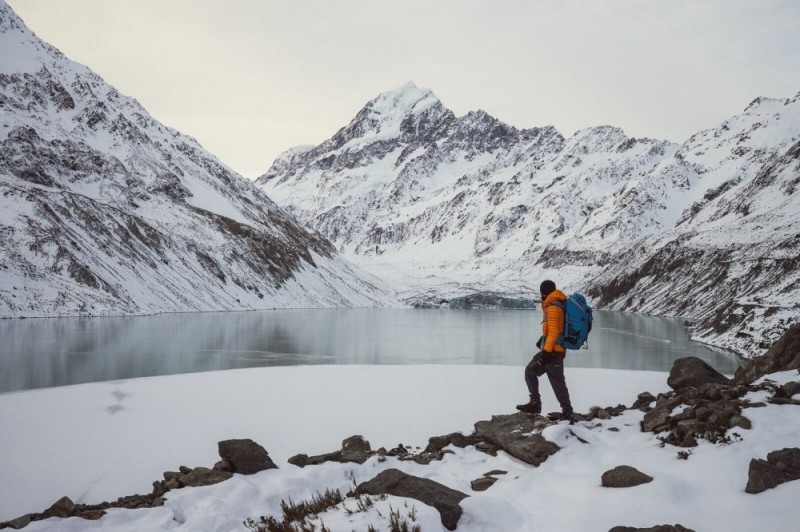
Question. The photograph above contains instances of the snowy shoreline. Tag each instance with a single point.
(95, 442)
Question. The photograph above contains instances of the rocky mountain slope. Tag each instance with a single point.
(447, 205)
(105, 210)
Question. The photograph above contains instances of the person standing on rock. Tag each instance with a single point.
(550, 358)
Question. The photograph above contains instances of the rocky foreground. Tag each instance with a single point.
(702, 405)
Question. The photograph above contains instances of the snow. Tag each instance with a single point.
(99, 441)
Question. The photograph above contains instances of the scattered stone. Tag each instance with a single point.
(223, 465)
(92, 515)
(624, 477)
(692, 371)
(779, 467)
(185, 470)
(354, 449)
(63, 507)
(19, 522)
(169, 475)
(495, 472)
(656, 420)
(245, 456)
(483, 483)
(519, 435)
(791, 388)
(457, 439)
(202, 476)
(395, 482)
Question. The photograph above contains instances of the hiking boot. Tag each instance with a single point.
(567, 416)
(531, 407)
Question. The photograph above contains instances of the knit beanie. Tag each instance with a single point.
(546, 287)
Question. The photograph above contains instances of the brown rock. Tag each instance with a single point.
(202, 476)
(245, 456)
(624, 477)
(395, 482)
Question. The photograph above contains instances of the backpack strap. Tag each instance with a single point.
(563, 307)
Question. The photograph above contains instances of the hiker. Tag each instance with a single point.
(550, 358)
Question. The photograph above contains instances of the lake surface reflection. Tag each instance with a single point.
(37, 353)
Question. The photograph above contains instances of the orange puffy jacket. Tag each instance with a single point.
(553, 322)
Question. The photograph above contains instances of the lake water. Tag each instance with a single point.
(38, 353)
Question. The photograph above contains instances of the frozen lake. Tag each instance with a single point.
(39, 353)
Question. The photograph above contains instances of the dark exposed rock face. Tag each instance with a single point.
(692, 371)
(245, 456)
(782, 356)
(624, 477)
(518, 435)
(779, 467)
(395, 482)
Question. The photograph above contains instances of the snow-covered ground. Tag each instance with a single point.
(100, 441)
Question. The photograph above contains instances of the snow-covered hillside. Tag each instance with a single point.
(445, 206)
(105, 210)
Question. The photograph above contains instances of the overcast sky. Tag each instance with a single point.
(252, 78)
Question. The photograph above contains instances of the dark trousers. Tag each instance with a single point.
(553, 365)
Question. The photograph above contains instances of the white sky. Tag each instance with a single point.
(251, 78)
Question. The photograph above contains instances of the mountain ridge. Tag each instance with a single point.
(107, 211)
(473, 204)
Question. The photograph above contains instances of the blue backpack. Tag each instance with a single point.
(577, 322)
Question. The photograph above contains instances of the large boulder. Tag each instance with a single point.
(782, 356)
(395, 482)
(624, 477)
(519, 435)
(245, 456)
(692, 371)
(779, 467)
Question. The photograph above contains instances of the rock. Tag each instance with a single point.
(92, 515)
(184, 470)
(779, 467)
(19, 522)
(223, 465)
(437, 443)
(782, 356)
(202, 476)
(395, 482)
(656, 420)
(624, 477)
(789, 389)
(657, 528)
(354, 449)
(519, 435)
(63, 507)
(172, 484)
(643, 400)
(483, 483)
(245, 456)
(692, 371)
(169, 475)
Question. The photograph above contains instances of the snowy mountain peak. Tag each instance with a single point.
(451, 205)
(407, 98)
